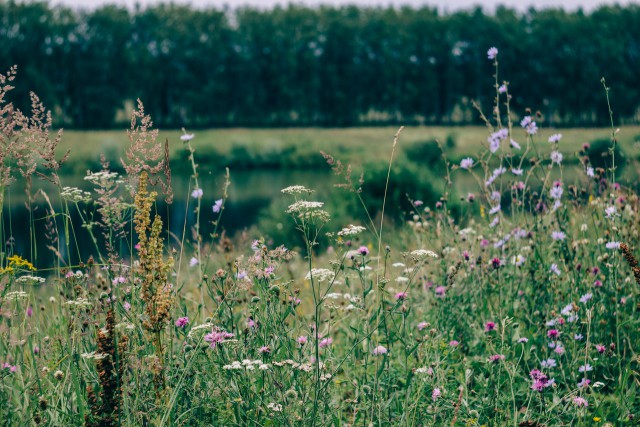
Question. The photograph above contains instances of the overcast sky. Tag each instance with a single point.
(444, 5)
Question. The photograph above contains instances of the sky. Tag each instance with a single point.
(443, 5)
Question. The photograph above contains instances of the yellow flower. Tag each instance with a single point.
(597, 419)
(19, 262)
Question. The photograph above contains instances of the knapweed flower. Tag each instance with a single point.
(515, 145)
(422, 325)
(558, 235)
(553, 333)
(613, 245)
(363, 250)
(496, 358)
(585, 368)
(556, 157)
(496, 138)
(217, 336)
(586, 297)
(610, 212)
(556, 192)
(440, 291)
(590, 172)
(401, 296)
(435, 394)
(127, 306)
(580, 402)
(182, 322)
(549, 363)
(516, 171)
(555, 269)
(454, 343)
(584, 383)
(540, 380)
(555, 138)
(193, 262)
(379, 350)
(529, 125)
(578, 337)
(197, 193)
(466, 163)
(265, 349)
(217, 206)
(492, 53)
(186, 137)
(325, 342)
(502, 88)
(489, 326)
(522, 340)
(601, 349)
(302, 340)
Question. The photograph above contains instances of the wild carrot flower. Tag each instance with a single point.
(379, 350)
(182, 322)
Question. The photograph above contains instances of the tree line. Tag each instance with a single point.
(323, 66)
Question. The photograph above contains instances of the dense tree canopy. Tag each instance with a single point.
(323, 66)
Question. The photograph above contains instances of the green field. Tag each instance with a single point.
(351, 144)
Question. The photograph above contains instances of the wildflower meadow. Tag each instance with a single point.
(511, 303)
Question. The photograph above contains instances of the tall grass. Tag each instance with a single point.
(520, 309)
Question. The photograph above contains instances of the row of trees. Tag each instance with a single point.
(318, 66)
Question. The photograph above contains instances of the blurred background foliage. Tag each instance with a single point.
(325, 66)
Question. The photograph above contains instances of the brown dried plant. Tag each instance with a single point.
(153, 270)
(146, 154)
(105, 408)
(631, 260)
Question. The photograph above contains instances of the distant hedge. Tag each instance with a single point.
(322, 66)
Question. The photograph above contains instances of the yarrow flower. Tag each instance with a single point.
(492, 53)
(320, 275)
(351, 230)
